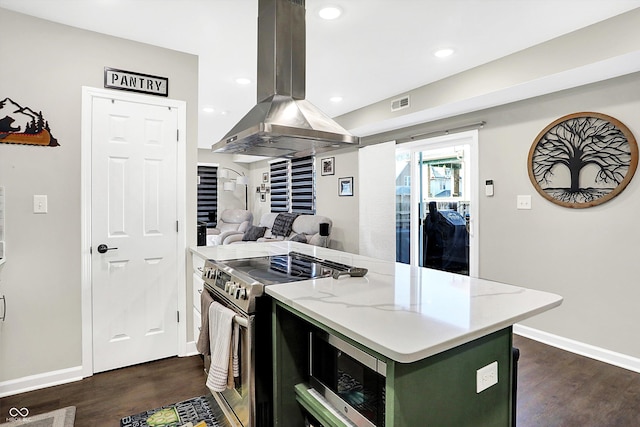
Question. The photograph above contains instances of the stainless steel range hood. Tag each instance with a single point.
(283, 123)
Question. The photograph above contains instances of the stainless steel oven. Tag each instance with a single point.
(348, 379)
(239, 285)
(248, 402)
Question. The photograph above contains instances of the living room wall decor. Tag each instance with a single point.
(583, 160)
(22, 125)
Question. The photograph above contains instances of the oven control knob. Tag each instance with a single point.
(232, 288)
(242, 293)
(227, 285)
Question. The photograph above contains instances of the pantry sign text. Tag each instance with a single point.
(135, 82)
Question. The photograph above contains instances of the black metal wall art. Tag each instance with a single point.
(583, 160)
(22, 125)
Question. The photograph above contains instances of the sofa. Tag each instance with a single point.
(304, 229)
(232, 221)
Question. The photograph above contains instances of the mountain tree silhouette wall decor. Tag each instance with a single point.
(22, 125)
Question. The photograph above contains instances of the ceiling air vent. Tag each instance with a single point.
(400, 103)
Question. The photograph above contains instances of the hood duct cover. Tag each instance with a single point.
(283, 123)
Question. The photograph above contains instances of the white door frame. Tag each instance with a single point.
(471, 138)
(88, 94)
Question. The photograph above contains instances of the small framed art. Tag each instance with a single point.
(345, 186)
(327, 166)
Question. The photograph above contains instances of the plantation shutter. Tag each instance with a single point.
(279, 172)
(207, 194)
(302, 188)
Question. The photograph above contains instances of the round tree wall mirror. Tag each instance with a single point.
(583, 160)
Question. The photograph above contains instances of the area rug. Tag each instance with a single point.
(192, 412)
(59, 418)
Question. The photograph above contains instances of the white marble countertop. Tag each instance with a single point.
(404, 313)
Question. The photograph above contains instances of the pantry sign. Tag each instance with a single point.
(135, 82)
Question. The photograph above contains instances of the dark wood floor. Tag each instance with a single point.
(555, 389)
(103, 399)
(561, 389)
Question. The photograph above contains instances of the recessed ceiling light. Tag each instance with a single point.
(243, 81)
(330, 12)
(209, 110)
(443, 53)
(335, 99)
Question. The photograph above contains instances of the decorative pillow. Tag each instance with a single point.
(253, 233)
(299, 238)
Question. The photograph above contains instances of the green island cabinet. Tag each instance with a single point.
(439, 390)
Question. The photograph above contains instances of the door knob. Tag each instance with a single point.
(104, 248)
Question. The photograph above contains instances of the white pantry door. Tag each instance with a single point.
(134, 214)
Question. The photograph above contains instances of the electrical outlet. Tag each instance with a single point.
(486, 377)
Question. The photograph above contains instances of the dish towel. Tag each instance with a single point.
(220, 325)
(203, 339)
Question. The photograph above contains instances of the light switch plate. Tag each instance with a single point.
(524, 202)
(40, 204)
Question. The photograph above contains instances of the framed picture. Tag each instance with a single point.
(326, 166)
(263, 197)
(265, 176)
(263, 187)
(345, 186)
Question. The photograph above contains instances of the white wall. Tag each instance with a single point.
(377, 176)
(586, 255)
(41, 278)
(344, 211)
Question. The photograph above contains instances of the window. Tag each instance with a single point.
(293, 185)
(207, 194)
(279, 172)
(302, 186)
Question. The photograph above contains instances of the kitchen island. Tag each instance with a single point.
(433, 330)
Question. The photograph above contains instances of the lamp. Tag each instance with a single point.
(230, 185)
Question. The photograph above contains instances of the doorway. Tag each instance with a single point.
(436, 203)
(133, 244)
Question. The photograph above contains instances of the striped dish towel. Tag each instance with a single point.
(220, 321)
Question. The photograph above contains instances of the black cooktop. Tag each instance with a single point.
(280, 268)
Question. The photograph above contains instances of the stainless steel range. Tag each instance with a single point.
(239, 285)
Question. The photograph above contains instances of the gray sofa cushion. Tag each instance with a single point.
(253, 233)
(299, 238)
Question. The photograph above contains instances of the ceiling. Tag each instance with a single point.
(375, 50)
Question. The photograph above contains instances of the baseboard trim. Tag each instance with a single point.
(35, 382)
(577, 347)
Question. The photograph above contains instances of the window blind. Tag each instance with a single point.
(279, 172)
(302, 185)
(207, 194)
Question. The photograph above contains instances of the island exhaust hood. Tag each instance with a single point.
(283, 123)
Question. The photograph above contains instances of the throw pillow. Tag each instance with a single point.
(299, 238)
(253, 233)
